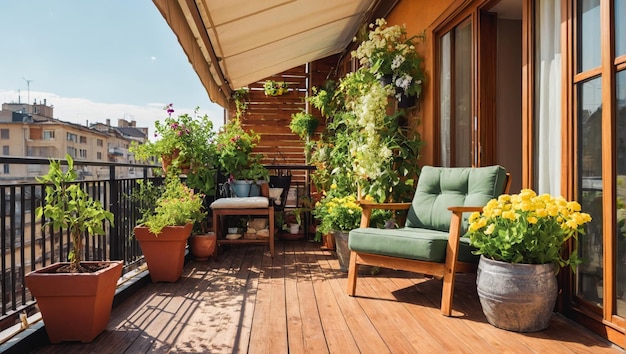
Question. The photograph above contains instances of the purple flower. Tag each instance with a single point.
(169, 108)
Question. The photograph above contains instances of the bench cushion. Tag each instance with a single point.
(241, 203)
(410, 243)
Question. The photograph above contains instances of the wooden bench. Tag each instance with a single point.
(242, 206)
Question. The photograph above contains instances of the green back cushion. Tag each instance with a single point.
(439, 188)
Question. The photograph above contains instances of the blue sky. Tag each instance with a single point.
(96, 59)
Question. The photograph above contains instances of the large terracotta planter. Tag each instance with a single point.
(202, 246)
(74, 306)
(517, 297)
(165, 253)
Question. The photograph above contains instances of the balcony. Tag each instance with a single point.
(245, 301)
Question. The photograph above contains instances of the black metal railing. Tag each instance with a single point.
(26, 246)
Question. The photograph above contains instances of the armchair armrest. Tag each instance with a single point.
(369, 206)
(457, 216)
(465, 209)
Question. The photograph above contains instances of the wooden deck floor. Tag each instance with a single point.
(296, 303)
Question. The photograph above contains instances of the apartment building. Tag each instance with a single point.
(30, 130)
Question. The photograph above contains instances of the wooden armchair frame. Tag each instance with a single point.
(445, 270)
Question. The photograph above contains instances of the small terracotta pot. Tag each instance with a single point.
(202, 246)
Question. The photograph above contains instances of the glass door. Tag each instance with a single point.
(457, 125)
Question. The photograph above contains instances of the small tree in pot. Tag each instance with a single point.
(89, 295)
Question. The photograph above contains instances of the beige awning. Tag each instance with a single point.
(232, 43)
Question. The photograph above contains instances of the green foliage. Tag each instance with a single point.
(363, 146)
(338, 213)
(241, 101)
(275, 88)
(344, 214)
(68, 206)
(187, 140)
(388, 51)
(234, 150)
(527, 228)
(303, 124)
(177, 205)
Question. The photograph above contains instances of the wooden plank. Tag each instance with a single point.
(269, 332)
(336, 331)
(403, 333)
(363, 331)
(312, 330)
(245, 302)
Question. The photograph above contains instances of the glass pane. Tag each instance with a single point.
(620, 27)
(589, 275)
(620, 137)
(588, 34)
(463, 95)
(445, 104)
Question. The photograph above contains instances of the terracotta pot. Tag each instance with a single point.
(74, 306)
(202, 246)
(166, 162)
(165, 253)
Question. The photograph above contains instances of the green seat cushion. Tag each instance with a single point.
(411, 243)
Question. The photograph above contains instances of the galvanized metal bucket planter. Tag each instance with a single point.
(517, 297)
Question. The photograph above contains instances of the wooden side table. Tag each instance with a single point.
(242, 206)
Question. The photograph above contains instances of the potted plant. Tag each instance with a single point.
(520, 238)
(182, 142)
(165, 228)
(202, 242)
(293, 220)
(275, 88)
(74, 298)
(304, 125)
(391, 55)
(340, 214)
(234, 154)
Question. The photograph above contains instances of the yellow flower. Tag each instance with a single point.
(511, 215)
(490, 229)
(532, 220)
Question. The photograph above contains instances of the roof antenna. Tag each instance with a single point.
(28, 88)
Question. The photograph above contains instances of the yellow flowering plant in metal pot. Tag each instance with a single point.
(527, 228)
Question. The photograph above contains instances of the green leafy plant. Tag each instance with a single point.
(388, 51)
(177, 205)
(187, 141)
(362, 145)
(234, 150)
(527, 228)
(303, 124)
(68, 206)
(338, 214)
(275, 88)
(240, 96)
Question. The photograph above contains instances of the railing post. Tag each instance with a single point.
(114, 244)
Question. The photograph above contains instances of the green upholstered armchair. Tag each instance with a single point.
(431, 240)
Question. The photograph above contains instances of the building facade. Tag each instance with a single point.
(31, 131)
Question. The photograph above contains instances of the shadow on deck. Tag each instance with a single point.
(246, 302)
